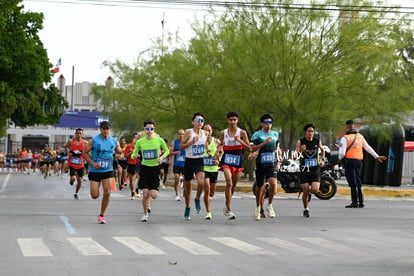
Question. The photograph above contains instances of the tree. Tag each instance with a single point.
(24, 71)
(301, 64)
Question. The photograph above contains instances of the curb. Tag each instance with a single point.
(342, 189)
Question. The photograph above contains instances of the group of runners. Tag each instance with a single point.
(26, 160)
(197, 156)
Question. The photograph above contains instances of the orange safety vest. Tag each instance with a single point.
(354, 152)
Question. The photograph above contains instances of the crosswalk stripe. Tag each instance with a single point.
(139, 246)
(88, 246)
(190, 246)
(242, 246)
(330, 245)
(33, 247)
(290, 246)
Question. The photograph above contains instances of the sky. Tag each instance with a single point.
(83, 36)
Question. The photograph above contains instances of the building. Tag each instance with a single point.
(83, 112)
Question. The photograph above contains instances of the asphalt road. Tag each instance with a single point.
(45, 231)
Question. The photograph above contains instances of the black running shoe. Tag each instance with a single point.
(306, 213)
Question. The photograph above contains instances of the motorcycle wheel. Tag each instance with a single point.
(266, 191)
(327, 188)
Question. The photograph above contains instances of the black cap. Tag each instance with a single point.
(105, 124)
(349, 122)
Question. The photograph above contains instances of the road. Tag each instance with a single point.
(45, 231)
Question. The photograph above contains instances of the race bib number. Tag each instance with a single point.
(76, 161)
(150, 154)
(267, 157)
(165, 161)
(197, 149)
(232, 159)
(180, 158)
(208, 161)
(313, 162)
(104, 163)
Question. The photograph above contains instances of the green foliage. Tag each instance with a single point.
(24, 69)
(301, 65)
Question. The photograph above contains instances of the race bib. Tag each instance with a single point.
(232, 159)
(150, 154)
(76, 161)
(104, 163)
(180, 158)
(165, 161)
(310, 163)
(267, 157)
(197, 149)
(208, 161)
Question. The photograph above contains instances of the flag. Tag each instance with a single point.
(58, 64)
(105, 63)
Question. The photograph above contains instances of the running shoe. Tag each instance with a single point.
(231, 215)
(306, 213)
(145, 218)
(257, 213)
(271, 212)
(76, 196)
(262, 213)
(71, 182)
(132, 196)
(208, 215)
(187, 214)
(177, 198)
(101, 220)
(197, 205)
(162, 187)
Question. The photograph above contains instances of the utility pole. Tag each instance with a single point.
(162, 37)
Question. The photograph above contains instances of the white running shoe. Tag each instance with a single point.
(177, 198)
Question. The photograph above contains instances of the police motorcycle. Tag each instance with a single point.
(288, 176)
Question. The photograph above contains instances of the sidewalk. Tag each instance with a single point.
(245, 186)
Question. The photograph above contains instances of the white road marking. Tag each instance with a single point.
(242, 246)
(298, 249)
(190, 246)
(88, 247)
(33, 247)
(139, 246)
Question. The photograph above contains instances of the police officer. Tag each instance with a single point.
(350, 148)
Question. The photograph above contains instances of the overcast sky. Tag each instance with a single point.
(84, 36)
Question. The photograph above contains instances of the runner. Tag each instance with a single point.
(310, 163)
(76, 147)
(194, 143)
(150, 147)
(233, 140)
(132, 163)
(123, 163)
(211, 161)
(179, 162)
(46, 161)
(266, 142)
(102, 148)
(164, 168)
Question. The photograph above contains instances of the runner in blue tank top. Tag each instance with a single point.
(103, 146)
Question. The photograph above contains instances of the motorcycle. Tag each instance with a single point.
(288, 176)
(332, 165)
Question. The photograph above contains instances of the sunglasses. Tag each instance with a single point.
(149, 128)
(267, 122)
(199, 120)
